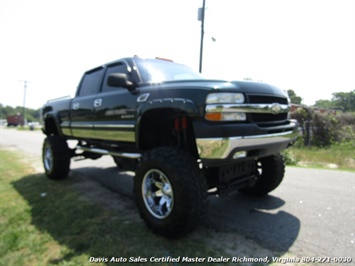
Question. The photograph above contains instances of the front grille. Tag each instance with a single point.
(267, 120)
(266, 99)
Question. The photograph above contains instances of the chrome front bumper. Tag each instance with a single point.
(230, 147)
(273, 108)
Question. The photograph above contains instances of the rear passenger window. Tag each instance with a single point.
(119, 68)
(91, 82)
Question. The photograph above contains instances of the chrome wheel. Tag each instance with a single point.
(170, 191)
(157, 193)
(48, 159)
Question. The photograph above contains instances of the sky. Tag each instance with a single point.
(303, 45)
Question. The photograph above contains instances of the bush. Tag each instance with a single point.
(325, 128)
(329, 128)
(289, 158)
(304, 117)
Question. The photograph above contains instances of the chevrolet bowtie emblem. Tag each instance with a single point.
(275, 108)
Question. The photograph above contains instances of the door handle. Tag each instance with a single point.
(97, 102)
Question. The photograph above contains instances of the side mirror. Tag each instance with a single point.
(119, 80)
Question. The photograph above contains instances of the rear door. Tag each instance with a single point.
(82, 107)
(115, 109)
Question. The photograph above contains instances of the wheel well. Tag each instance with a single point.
(50, 126)
(166, 127)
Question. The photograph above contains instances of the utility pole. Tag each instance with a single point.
(24, 100)
(201, 18)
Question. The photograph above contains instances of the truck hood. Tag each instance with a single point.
(224, 85)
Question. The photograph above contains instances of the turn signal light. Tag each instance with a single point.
(238, 116)
(213, 116)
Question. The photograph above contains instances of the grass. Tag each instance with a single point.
(27, 128)
(340, 156)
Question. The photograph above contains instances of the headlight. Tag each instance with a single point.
(225, 97)
(222, 99)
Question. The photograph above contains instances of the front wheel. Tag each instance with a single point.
(170, 191)
(56, 157)
(271, 171)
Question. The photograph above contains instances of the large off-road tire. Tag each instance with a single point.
(271, 171)
(170, 191)
(124, 164)
(56, 157)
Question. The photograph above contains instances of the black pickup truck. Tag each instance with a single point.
(184, 136)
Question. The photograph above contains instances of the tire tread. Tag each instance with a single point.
(190, 182)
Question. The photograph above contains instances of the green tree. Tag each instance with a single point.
(327, 104)
(341, 100)
(6, 110)
(293, 97)
(31, 114)
(345, 100)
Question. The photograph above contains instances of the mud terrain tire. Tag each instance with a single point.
(170, 191)
(270, 175)
(56, 157)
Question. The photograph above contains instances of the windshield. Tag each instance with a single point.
(155, 71)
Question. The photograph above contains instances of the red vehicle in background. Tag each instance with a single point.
(15, 120)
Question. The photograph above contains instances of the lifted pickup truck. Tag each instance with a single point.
(184, 136)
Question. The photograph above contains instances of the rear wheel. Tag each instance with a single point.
(271, 171)
(170, 191)
(56, 157)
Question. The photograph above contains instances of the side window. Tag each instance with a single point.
(91, 82)
(120, 68)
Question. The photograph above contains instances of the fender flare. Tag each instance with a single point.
(52, 116)
(184, 105)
